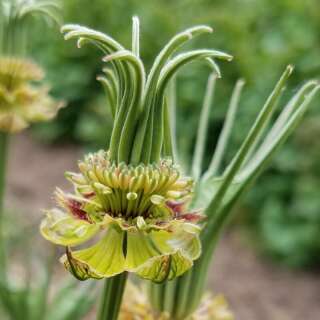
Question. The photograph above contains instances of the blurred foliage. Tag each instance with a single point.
(29, 289)
(288, 222)
(263, 36)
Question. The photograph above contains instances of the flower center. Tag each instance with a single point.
(129, 191)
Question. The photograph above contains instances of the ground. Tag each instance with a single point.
(255, 288)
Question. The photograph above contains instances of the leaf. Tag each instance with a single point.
(71, 302)
(207, 189)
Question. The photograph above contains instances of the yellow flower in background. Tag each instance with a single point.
(135, 214)
(213, 308)
(22, 99)
(136, 306)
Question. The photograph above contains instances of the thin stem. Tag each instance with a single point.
(4, 139)
(135, 36)
(167, 141)
(225, 133)
(172, 104)
(112, 297)
(42, 309)
(240, 156)
(3, 160)
(203, 128)
(143, 142)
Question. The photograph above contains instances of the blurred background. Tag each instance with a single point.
(268, 264)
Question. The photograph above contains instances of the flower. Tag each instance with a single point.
(136, 306)
(137, 215)
(213, 308)
(21, 101)
(131, 201)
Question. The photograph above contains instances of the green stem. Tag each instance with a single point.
(112, 297)
(3, 161)
(203, 128)
(4, 139)
(167, 143)
(172, 114)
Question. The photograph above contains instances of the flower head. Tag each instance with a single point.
(21, 101)
(138, 214)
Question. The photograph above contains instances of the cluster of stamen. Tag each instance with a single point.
(127, 191)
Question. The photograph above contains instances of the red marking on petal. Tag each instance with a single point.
(192, 217)
(175, 206)
(75, 208)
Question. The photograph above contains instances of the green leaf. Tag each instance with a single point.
(207, 189)
(71, 302)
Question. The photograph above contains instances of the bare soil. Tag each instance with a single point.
(256, 289)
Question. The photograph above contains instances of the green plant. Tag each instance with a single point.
(19, 99)
(21, 103)
(136, 197)
(218, 190)
(263, 38)
(36, 299)
(131, 194)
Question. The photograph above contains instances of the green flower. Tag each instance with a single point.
(131, 202)
(134, 214)
(21, 101)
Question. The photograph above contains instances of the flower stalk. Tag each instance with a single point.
(111, 297)
(4, 141)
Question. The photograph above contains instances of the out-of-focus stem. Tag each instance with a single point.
(3, 161)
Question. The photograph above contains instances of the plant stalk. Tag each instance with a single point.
(3, 160)
(4, 141)
(112, 297)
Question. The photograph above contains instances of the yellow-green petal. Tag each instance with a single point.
(161, 255)
(165, 267)
(78, 269)
(140, 249)
(102, 260)
(63, 229)
(188, 243)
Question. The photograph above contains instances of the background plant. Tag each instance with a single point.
(33, 292)
(21, 103)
